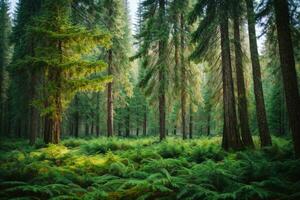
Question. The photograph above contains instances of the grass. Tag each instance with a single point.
(140, 169)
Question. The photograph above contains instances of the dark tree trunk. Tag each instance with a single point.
(127, 132)
(47, 130)
(76, 117)
(87, 129)
(162, 73)
(240, 80)
(183, 79)
(264, 133)
(57, 119)
(98, 116)
(175, 130)
(288, 70)
(145, 123)
(208, 123)
(119, 129)
(92, 129)
(191, 122)
(110, 98)
(33, 113)
(231, 135)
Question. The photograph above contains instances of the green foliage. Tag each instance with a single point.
(145, 169)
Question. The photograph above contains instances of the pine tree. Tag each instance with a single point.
(115, 15)
(59, 55)
(153, 36)
(237, 11)
(23, 79)
(288, 69)
(4, 59)
(214, 17)
(264, 133)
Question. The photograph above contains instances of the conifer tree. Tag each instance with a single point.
(237, 11)
(58, 54)
(4, 59)
(214, 17)
(154, 34)
(262, 121)
(288, 69)
(24, 80)
(115, 15)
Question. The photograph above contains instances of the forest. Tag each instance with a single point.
(175, 99)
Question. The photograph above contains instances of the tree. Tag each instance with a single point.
(240, 80)
(153, 38)
(288, 69)
(264, 133)
(58, 53)
(214, 17)
(24, 81)
(115, 15)
(4, 58)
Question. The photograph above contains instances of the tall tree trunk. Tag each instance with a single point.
(231, 135)
(57, 119)
(47, 129)
(264, 133)
(137, 131)
(191, 122)
(145, 122)
(98, 116)
(242, 99)
(33, 112)
(87, 128)
(127, 132)
(110, 98)
(208, 123)
(76, 117)
(92, 129)
(288, 70)
(183, 78)
(162, 73)
(175, 129)
(119, 129)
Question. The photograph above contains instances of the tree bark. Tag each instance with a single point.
(231, 135)
(76, 117)
(145, 122)
(191, 122)
(98, 116)
(242, 99)
(208, 123)
(110, 98)
(87, 128)
(288, 70)
(183, 79)
(33, 112)
(127, 132)
(264, 133)
(162, 72)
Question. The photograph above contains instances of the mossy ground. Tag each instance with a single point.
(147, 169)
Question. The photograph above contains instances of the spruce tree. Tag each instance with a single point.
(214, 16)
(288, 69)
(4, 59)
(237, 11)
(24, 80)
(265, 137)
(58, 53)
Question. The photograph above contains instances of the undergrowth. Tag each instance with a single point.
(113, 169)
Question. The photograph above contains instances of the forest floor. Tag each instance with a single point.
(147, 169)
